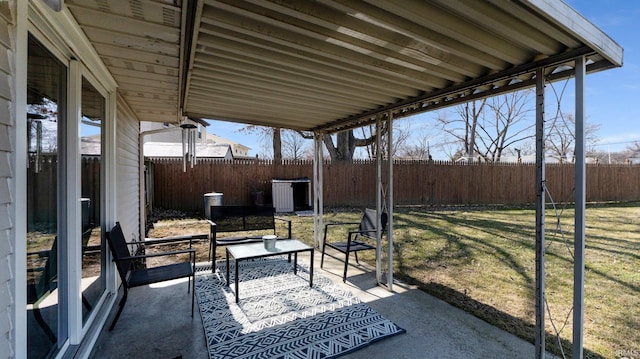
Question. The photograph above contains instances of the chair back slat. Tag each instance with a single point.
(242, 218)
(260, 218)
(369, 222)
(119, 249)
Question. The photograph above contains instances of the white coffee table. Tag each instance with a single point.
(246, 251)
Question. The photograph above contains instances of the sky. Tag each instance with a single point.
(610, 95)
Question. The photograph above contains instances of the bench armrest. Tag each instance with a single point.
(288, 221)
(191, 252)
(175, 239)
(327, 225)
(369, 234)
(212, 230)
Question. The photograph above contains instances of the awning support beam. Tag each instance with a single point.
(390, 200)
(540, 217)
(384, 199)
(318, 163)
(379, 195)
(580, 200)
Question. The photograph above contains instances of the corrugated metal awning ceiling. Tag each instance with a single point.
(332, 64)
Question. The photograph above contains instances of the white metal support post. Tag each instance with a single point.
(318, 163)
(390, 200)
(540, 216)
(378, 199)
(580, 199)
(387, 203)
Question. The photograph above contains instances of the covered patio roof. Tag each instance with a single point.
(330, 65)
(333, 64)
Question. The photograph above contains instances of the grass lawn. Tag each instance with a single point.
(483, 260)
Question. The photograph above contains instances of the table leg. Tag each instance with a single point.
(227, 252)
(295, 263)
(311, 270)
(237, 280)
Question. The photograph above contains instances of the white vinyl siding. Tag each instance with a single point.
(127, 171)
(7, 159)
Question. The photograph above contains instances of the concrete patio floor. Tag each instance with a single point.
(156, 323)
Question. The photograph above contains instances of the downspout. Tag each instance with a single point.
(142, 200)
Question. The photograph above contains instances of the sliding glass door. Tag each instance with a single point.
(66, 257)
(46, 121)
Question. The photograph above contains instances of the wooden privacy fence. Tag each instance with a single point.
(415, 182)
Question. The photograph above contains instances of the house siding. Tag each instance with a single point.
(7, 159)
(128, 171)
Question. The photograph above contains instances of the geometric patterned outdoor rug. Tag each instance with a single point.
(280, 316)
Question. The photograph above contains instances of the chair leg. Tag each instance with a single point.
(346, 259)
(212, 255)
(193, 291)
(322, 256)
(346, 264)
(356, 254)
(121, 306)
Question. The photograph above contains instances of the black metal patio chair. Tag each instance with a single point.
(135, 277)
(362, 239)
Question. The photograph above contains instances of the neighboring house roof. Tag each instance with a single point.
(165, 149)
(218, 139)
(174, 135)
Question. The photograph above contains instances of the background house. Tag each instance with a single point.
(159, 143)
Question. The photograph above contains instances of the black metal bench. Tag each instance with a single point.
(241, 219)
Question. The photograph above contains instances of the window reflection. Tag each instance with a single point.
(46, 81)
(93, 260)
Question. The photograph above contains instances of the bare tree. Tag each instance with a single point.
(634, 147)
(343, 149)
(277, 145)
(420, 150)
(509, 114)
(401, 135)
(345, 144)
(607, 157)
(272, 135)
(464, 127)
(487, 128)
(561, 137)
(471, 117)
(294, 146)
